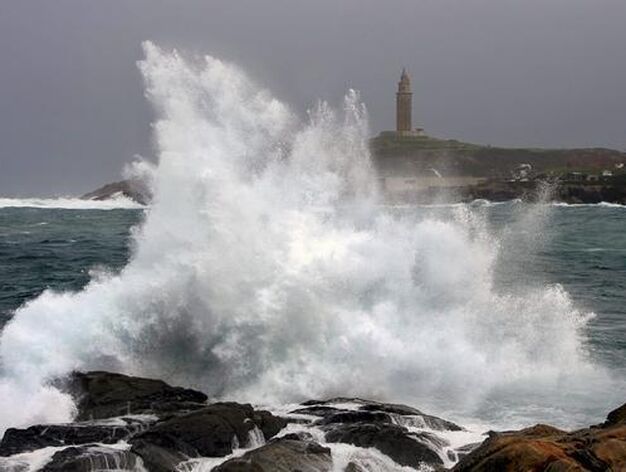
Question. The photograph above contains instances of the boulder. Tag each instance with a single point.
(334, 401)
(545, 448)
(398, 431)
(16, 440)
(355, 417)
(409, 416)
(392, 440)
(161, 454)
(134, 423)
(282, 455)
(617, 416)
(322, 411)
(105, 395)
(90, 458)
(390, 408)
(213, 431)
(393, 412)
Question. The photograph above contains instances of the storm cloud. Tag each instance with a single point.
(507, 72)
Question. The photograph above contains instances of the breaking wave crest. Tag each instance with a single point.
(265, 270)
(69, 203)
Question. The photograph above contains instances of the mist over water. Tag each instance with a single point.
(267, 270)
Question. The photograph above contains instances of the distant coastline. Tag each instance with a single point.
(529, 191)
(423, 169)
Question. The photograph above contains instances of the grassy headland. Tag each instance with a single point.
(577, 175)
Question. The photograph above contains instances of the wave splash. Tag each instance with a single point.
(265, 270)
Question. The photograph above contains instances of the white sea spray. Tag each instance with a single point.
(266, 270)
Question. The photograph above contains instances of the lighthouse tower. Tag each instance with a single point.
(404, 99)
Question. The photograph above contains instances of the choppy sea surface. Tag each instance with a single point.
(582, 248)
(54, 248)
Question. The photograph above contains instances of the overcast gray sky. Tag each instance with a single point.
(507, 72)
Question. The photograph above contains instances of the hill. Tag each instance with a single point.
(418, 155)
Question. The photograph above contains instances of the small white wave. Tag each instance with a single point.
(601, 204)
(611, 205)
(474, 203)
(70, 203)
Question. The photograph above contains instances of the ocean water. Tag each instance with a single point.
(58, 249)
(268, 269)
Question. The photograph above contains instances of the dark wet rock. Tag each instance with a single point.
(334, 400)
(105, 395)
(384, 426)
(390, 408)
(282, 455)
(162, 453)
(545, 448)
(313, 402)
(392, 440)
(413, 417)
(316, 411)
(355, 417)
(16, 440)
(269, 424)
(387, 412)
(91, 458)
(617, 416)
(170, 425)
(211, 432)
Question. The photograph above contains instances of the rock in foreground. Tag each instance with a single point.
(133, 423)
(104, 395)
(138, 424)
(599, 448)
(282, 455)
(214, 431)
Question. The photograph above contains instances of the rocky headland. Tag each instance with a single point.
(137, 424)
(135, 189)
(418, 155)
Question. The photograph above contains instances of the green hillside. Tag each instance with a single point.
(415, 154)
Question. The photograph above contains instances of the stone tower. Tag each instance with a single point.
(404, 99)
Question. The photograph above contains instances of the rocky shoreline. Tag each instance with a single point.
(137, 424)
(494, 191)
(529, 191)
